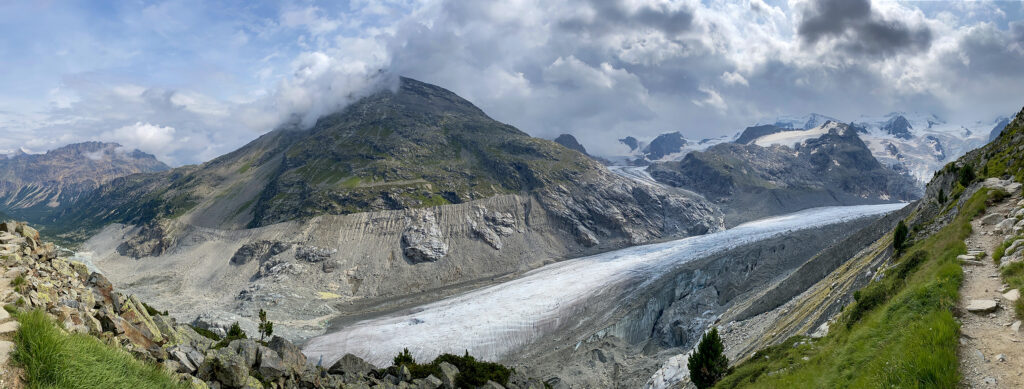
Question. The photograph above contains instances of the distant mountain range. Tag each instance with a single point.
(915, 144)
(784, 171)
(38, 183)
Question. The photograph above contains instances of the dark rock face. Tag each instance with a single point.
(752, 133)
(631, 142)
(998, 129)
(423, 240)
(261, 251)
(665, 144)
(898, 127)
(570, 142)
(751, 181)
(151, 241)
(937, 150)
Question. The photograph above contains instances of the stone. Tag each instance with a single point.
(1015, 327)
(492, 385)
(182, 358)
(1013, 247)
(5, 351)
(225, 366)
(253, 383)
(245, 348)
(431, 382)
(1001, 357)
(9, 327)
(1005, 226)
(404, 374)
(966, 257)
(982, 306)
(291, 355)
(992, 219)
(4, 315)
(270, 364)
(989, 381)
(351, 365)
(448, 374)
(1012, 295)
(422, 240)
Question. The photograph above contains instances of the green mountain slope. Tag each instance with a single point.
(416, 146)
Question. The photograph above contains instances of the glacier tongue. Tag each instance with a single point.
(493, 321)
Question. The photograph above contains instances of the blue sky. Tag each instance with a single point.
(190, 80)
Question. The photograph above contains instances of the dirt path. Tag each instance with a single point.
(991, 351)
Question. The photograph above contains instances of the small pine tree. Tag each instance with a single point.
(266, 327)
(404, 358)
(967, 175)
(942, 196)
(235, 332)
(708, 364)
(899, 237)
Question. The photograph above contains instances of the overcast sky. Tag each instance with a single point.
(188, 80)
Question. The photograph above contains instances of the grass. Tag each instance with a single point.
(54, 359)
(900, 332)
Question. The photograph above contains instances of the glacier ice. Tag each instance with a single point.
(493, 321)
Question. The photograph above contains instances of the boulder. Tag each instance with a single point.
(1005, 226)
(270, 365)
(422, 240)
(431, 382)
(225, 366)
(991, 219)
(351, 365)
(492, 385)
(245, 348)
(1012, 295)
(291, 355)
(448, 374)
(982, 306)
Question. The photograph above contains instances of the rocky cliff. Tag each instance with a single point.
(36, 184)
(832, 166)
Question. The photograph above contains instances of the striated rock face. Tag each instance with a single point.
(44, 182)
(258, 251)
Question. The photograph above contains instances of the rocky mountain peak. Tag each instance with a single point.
(665, 144)
(571, 143)
(899, 127)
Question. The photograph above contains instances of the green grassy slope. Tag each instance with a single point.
(54, 359)
(900, 331)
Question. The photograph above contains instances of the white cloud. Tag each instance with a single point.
(156, 139)
(712, 99)
(733, 78)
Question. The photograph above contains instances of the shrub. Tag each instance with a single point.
(206, 333)
(708, 364)
(472, 373)
(266, 327)
(899, 236)
(234, 333)
(967, 175)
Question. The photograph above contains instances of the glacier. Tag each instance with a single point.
(494, 321)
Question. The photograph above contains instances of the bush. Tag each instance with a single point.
(708, 364)
(234, 333)
(967, 175)
(54, 359)
(472, 373)
(899, 236)
(206, 333)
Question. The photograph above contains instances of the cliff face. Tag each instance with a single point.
(37, 183)
(750, 181)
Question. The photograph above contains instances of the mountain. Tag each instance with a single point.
(802, 122)
(787, 171)
(750, 134)
(998, 128)
(630, 142)
(408, 193)
(571, 143)
(32, 184)
(665, 144)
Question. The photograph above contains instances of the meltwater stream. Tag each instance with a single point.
(492, 321)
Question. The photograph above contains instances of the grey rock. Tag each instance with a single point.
(314, 254)
(448, 374)
(270, 365)
(982, 306)
(245, 348)
(431, 382)
(991, 219)
(422, 240)
(290, 354)
(351, 365)
(259, 250)
(225, 366)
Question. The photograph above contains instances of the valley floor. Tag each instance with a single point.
(991, 350)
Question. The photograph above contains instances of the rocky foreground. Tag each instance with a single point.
(85, 302)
